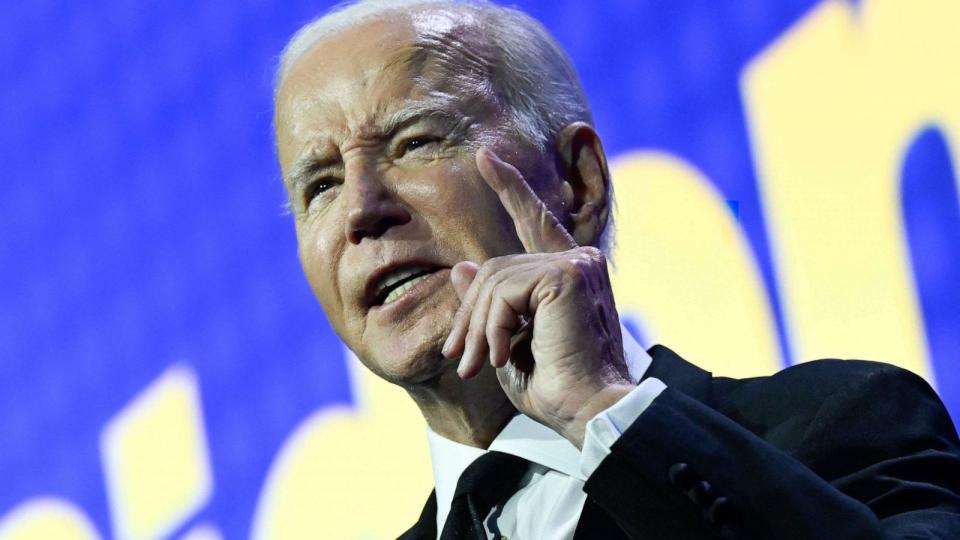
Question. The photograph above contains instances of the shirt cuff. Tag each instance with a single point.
(605, 428)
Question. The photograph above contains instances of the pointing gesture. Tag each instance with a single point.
(537, 227)
(545, 319)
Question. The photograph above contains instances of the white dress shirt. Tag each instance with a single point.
(550, 498)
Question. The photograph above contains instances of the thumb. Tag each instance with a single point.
(461, 275)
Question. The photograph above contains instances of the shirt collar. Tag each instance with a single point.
(522, 437)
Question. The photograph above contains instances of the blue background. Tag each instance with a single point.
(142, 223)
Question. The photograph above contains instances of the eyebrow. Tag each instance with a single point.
(416, 110)
(308, 167)
(304, 169)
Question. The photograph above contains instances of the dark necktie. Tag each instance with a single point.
(487, 481)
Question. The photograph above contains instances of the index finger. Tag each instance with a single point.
(539, 230)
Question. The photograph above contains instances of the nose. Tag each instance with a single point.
(372, 209)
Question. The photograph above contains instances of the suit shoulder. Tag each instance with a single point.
(845, 369)
(784, 407)
(855, 380)
(816, 380)
(878, 411)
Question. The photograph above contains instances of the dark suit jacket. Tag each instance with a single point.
(830, 450)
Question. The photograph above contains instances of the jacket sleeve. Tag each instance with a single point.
(878, 458)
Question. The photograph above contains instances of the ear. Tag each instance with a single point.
(585, 182)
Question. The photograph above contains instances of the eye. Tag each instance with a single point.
(416, 143)
(315, 189)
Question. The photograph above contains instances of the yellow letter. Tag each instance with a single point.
(685, 270)
(350, 473)
(45, 518)
(833, 106)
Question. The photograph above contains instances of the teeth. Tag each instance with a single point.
(399, 276)
(396, 293)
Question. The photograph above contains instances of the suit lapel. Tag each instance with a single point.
(426, 526)
(665, 365)
(679, 374)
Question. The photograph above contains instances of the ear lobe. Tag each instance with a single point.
(583, 165)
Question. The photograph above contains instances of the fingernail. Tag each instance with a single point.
(446, 346)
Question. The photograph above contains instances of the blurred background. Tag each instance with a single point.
(787, 190)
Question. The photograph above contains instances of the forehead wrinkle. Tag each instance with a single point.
(445, 92)
(433, 93)
(447, 79)
(447, 65)
(381, 125)
(310, 84)
(407, 58)
(448, 48)
(438, 56)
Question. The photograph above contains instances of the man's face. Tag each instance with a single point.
(378, 156)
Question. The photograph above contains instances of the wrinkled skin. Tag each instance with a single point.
(384, 167)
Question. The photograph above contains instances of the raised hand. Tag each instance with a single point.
(545, 319)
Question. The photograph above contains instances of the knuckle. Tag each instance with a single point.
(492, 283)
(472, 335)
(499, 269)
(577, 276)
(550, 293)
(475, 317)
(485, 271)
(494, 325)
(467, 305)
(547, 222)
(558, 274)
(490, 328)
(589, 259)
(543, 213)
(578, 265)
(493, 265)
(593, 254)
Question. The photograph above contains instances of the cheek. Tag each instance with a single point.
(456, 197)
(317, 259)
(472, 211)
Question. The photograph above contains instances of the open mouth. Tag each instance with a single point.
(396, 283)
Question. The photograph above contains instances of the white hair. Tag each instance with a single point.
(526, 67)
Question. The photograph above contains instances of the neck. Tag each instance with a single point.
(469, 412)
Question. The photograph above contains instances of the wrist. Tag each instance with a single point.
(575, 430)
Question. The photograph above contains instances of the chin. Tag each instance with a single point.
(414, 370)
(404, 349)
(413, 358)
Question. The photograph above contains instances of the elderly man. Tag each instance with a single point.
(452, 201)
